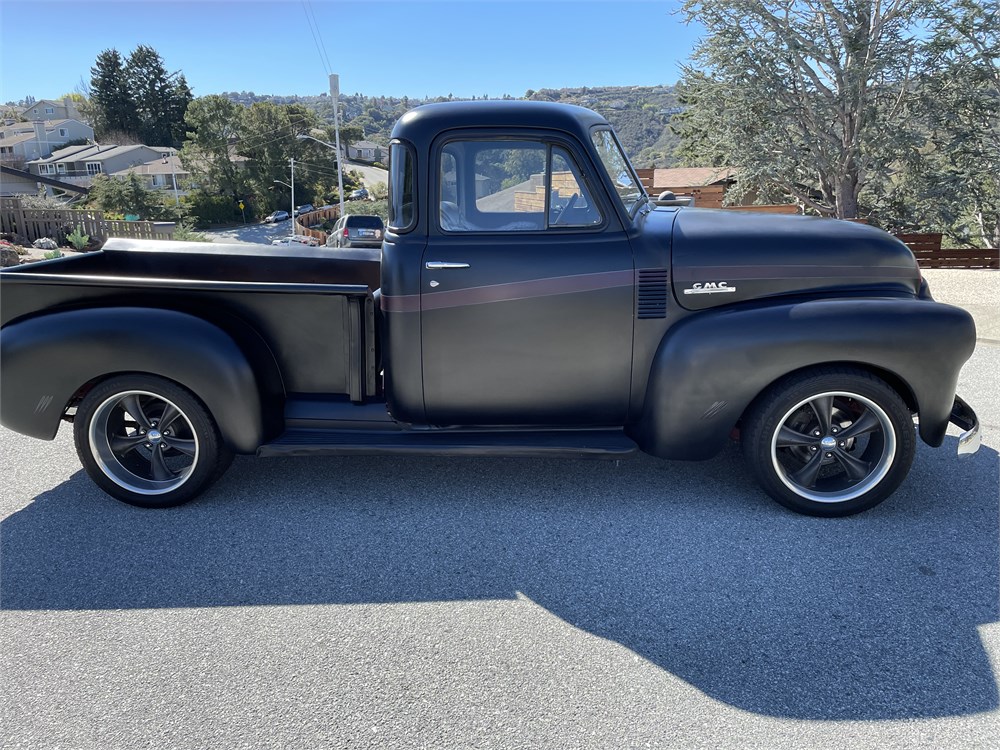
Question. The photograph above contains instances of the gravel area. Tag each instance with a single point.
(978, 291)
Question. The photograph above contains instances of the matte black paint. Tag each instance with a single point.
(711, 366)
(47, 359)
(762, 255)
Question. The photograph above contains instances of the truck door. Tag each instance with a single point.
(527, 286)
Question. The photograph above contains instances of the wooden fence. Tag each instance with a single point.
(315, 218)
(35, 223)
(929, 253)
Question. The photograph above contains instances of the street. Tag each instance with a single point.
(257, 233)
(487, 602)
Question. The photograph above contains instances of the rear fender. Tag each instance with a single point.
(711, 366)
(47, 359)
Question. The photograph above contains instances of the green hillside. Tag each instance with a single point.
(639, 114)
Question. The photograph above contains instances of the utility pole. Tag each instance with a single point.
(173, 179)
(292, 215)
(335, 95)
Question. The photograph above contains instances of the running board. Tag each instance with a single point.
(550, 444)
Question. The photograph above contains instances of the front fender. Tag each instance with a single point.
(711, 366)
(48, 358)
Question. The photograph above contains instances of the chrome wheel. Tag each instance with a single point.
(143, 442)
(833, 447)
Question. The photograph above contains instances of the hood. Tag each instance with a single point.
(724, 256)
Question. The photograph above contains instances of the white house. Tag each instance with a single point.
(22, 142)
(51, 109)
(80, 164)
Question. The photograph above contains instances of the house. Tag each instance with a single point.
(15, 182)
(708, 185)
(21, 142)
(163, 173)
(50, 109)
(367, 151)
(79, 164)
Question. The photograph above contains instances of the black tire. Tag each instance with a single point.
(829, 442)
(118, 438)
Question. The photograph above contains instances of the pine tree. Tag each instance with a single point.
(113, 106)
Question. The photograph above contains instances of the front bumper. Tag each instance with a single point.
(966, 420)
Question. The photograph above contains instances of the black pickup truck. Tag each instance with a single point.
(529, 299)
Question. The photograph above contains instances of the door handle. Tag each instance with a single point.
(434, 265)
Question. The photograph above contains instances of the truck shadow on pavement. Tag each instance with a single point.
(870, 617)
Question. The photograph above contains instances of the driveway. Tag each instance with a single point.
(370, 175)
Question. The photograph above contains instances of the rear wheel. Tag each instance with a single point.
(831, 442)
(148, 442)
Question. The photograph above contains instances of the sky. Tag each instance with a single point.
(415, 49)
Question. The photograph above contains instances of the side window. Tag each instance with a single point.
(511, 186)
(402, 211)
(570, 204)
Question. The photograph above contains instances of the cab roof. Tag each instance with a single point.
(422, 124)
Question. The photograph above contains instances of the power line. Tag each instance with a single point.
(316, 35)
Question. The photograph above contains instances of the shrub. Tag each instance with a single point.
(184, 232)
(53, 254)
(78, 239)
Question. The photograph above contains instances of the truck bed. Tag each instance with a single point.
(312, 307)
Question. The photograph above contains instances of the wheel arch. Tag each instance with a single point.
(51, 360)
(893, 380)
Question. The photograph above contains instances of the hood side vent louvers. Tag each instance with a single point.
(652, 293)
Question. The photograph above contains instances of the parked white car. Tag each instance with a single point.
(298, 239)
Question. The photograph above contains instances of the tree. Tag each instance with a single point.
(113, 107)
(213, 128)
(809, 98)
(125, 196)
(160, 98)
(138, 98)
(269, 140)
(959, 191)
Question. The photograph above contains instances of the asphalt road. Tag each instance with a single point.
(257, 233)
(391, 602)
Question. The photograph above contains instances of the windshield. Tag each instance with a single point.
(626, 183)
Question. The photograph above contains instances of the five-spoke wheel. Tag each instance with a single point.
(147, 441)
(831, 442)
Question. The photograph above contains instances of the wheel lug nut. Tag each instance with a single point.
(829, 455)
(842, 443)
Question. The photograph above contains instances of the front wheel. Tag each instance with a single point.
(832, 442)
(148, 442)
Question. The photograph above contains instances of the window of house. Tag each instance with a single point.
(94, 167)
(159, 180)
(61, 168)
(46, 169)
(49, 111)
(63, 132)
(512, 186)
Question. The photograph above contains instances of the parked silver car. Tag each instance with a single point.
(357, 231)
